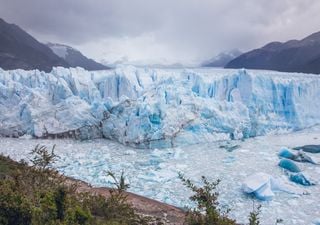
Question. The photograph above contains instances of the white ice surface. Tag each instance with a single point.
(154, 173)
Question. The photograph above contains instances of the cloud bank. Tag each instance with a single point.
(163, 31)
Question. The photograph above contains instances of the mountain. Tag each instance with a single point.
(19, 50)
(222, 59)
(314, 65)
(291, 56)
(75, 58)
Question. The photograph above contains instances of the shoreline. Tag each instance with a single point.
(168, 214)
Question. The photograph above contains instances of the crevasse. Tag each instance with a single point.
(156, 108)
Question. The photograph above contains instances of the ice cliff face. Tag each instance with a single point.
(156, 107)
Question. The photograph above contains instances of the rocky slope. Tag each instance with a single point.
(291, 56)
(19, 50)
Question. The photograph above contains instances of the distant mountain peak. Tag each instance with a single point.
(222, 58)
(74, 57)
(272, 45)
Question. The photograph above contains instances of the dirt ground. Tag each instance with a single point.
(167, 214)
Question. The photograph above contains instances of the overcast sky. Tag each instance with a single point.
(163, 31)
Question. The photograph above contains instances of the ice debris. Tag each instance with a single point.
(229, 147)
(299, 157)
(293, 171)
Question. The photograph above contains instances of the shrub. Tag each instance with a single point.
(254, 215)
(207, 211)
(14, 207)
(38, 195)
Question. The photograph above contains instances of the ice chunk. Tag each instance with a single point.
(299, 178)
(299, 157)
(130, 152)
(303, 157)
(263, 186)
(286, 153)
(316, 221)
(289, 165)
(309, 148)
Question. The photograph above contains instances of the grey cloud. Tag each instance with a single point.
(181, 30)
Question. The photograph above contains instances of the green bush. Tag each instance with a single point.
(14, 207)
(38, 195)
(254, 215)
(60, 202)
(207, 211)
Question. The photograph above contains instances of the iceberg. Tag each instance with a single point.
(298, 157)
(309, 148)
(286, 153)
(300, 178)
(289, 165)
(263, 186)
(156, 108)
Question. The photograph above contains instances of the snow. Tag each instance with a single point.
(156, 108)
(59, 50)
(154, 172)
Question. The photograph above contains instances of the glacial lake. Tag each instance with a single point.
(154, 172)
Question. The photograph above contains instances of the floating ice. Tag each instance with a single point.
(286, 153)
(299, 157)
(316, 222)
(289, 165)
(303, 157)
(309, 148)
(263, 186)
(299, 178)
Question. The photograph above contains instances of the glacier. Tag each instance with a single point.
(156, 108)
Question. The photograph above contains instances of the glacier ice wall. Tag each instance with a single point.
(156, 108)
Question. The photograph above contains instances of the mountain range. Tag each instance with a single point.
(291, 56)
(19, 50)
